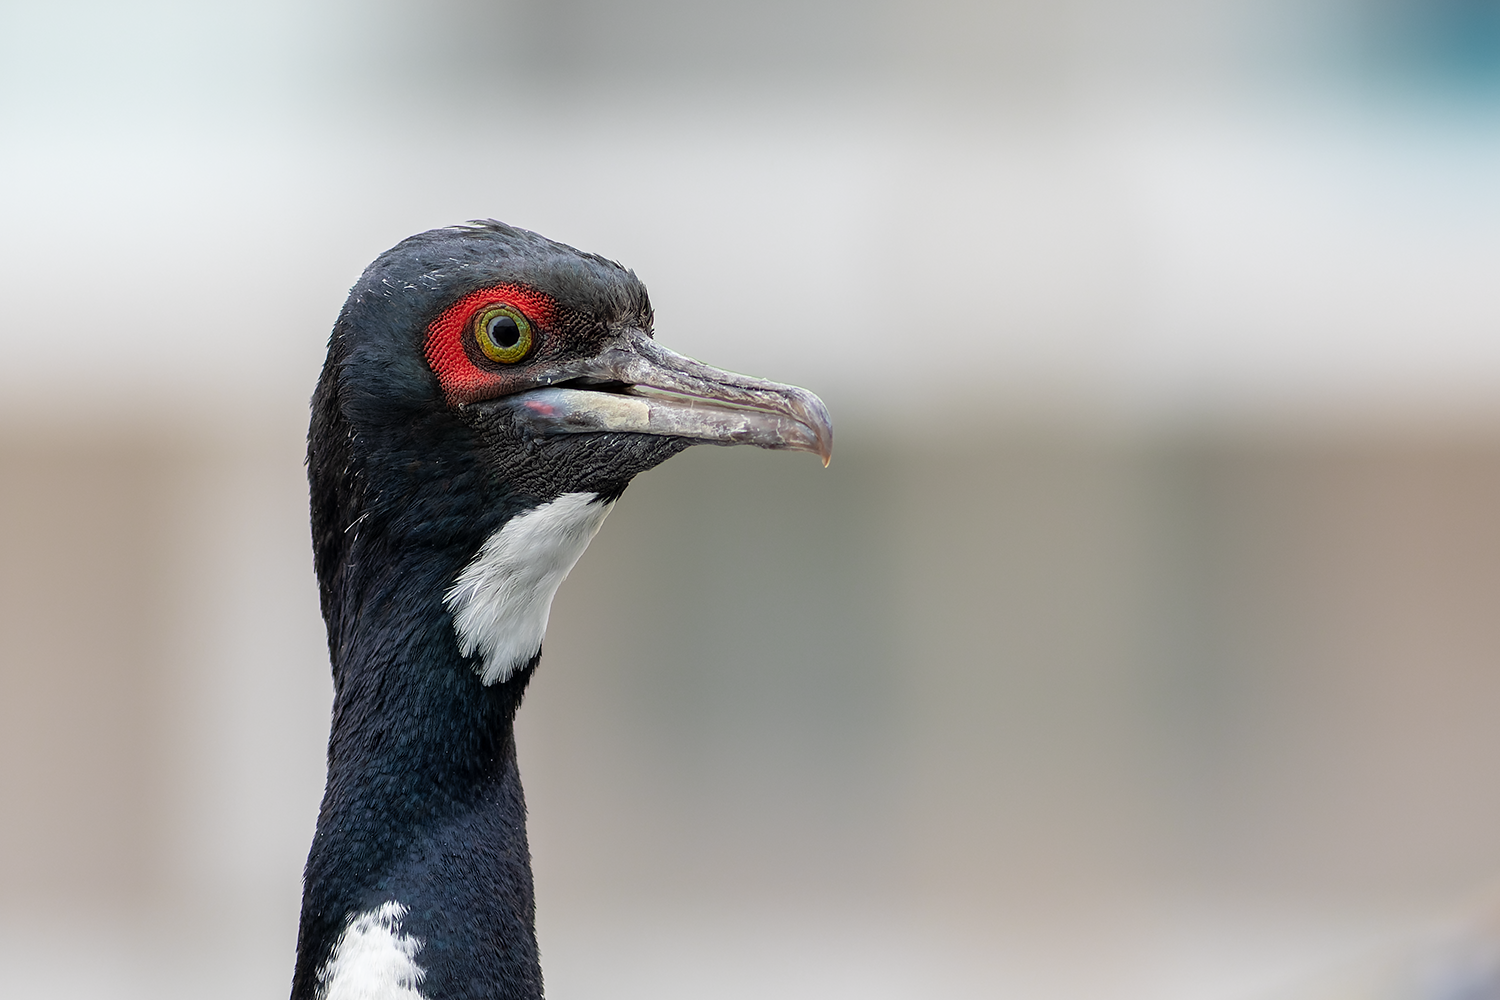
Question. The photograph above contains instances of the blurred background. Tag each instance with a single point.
(1141, 641)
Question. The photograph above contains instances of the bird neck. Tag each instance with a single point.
(421, 842)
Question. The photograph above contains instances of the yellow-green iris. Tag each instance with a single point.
(503, 334)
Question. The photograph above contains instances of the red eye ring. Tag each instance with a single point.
(458, 365)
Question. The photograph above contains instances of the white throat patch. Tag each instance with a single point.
(373, 960)
(501, 600)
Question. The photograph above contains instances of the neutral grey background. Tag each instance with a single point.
(1139, 642)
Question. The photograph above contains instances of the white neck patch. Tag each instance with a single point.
(501, 600)
(373, 960)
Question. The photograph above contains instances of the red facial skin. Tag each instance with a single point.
(450, 351)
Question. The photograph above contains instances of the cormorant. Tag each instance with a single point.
(487, 397)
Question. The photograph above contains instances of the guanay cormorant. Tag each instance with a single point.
(488, 395)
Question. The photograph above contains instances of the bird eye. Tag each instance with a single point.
(503, 334)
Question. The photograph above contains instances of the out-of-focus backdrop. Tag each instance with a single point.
(1143, 639)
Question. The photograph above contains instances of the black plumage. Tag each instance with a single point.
(408, 479)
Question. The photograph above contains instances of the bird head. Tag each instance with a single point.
(482, 372)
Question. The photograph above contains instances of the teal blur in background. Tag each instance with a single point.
(1140, 640)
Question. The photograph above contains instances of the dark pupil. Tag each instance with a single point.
(504, 332)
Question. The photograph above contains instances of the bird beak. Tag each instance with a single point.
(637, 386)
